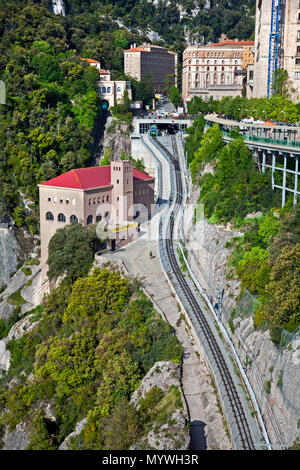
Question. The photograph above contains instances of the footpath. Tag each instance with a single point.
(207, 424)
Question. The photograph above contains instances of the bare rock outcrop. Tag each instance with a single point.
(79, 427)
(172, 435)
(116, 138)
(17, 439)
(162, 375)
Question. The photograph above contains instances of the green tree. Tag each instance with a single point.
(282, 308)
(71, 251)
(175, 96)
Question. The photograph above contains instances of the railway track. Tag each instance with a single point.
(233, 397)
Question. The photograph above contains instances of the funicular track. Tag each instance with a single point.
(233, 397)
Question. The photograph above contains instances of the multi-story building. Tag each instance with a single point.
(110, 91)
(153, 60)
(286, 30)
(215, 70)
(116, 195)
(113, 91)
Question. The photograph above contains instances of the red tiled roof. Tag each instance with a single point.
(91, 61)
(87, 178)
(103, 72)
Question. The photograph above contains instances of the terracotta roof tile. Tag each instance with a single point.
(87, 178)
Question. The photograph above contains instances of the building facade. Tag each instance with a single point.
(112, 91)
(289, 45)
(154, 60)
(215, 70)
(117, 195)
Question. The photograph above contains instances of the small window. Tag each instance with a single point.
(55, 199)
(89, 220)
(73, 219)
(117, 181)
(98, 218)
(61, 200)
(107, 198)
(49, 198)
(74, 202)
(61, 218)
(67, 201)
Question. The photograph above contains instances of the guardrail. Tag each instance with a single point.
(286, 142)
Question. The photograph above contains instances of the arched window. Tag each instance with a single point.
(73, 219)
(108, 89)
(61, 218)
(222, 79)
(89, 220)
(103, 89)
(49, 216)
(98, 218)
(119, 89)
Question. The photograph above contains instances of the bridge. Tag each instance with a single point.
(276, 149)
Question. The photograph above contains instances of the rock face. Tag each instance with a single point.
(79, 427)
(9, 253)
(273, 374)
(162, 375)
(275, 377)
(173, 434)
(116, 138)
(32, 296)
(17, 439)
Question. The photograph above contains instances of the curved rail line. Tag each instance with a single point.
(220, 363)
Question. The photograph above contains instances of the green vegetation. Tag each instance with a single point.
(235, 188)
(71, 251)
(175, 96)
(96, 340)
(278, 107)
(266, 257)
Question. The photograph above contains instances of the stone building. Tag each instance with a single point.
(112, 91)
(289, 45)
(117, 195)
(154, 60)
(215, 70)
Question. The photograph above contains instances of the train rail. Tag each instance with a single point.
(233, 397)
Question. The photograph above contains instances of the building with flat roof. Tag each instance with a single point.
(117, 195)
(215, 70)
(276, 46)
(154, 60)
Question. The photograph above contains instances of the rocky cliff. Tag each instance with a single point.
(116, 139)
(274, 373)
(9, 253)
